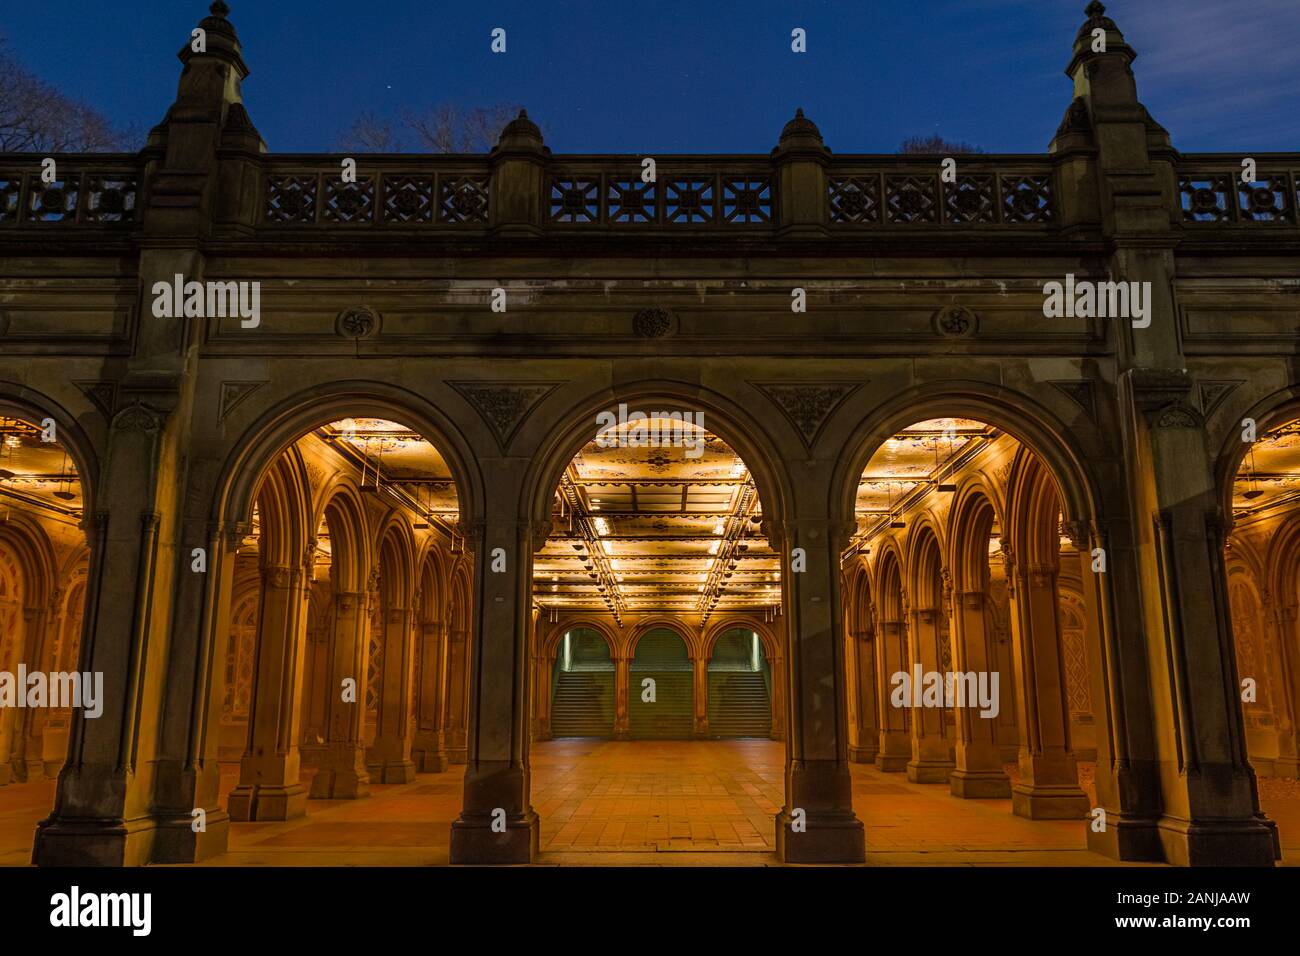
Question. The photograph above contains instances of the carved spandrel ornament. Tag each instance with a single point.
(807, 407)
(138, 417)
(504, 405)
(358, 322)
(955, 322)
(1175, 415)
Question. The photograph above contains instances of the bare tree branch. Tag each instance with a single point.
(444, 128)
(935, 145)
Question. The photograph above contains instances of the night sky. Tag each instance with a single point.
(697, 76)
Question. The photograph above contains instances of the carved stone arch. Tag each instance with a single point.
(274, 428)
(1246, 551)
(19, 401)
(1282, 564)
(1067, 450)
(766, 636)
(549, 645)
(34, 556)
(924, 562)
(643, 627)
(435, 580)
(1033, 512)
(285, 522)
(889, 583)
(970, 522)
(394, 548)
(1274, 409)
(576, 426)
(351, 558)
(460, 597)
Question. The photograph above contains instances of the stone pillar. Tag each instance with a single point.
(864, 664)
(1049, 779)
(497, 823)
(40, 626)
(931, 760)
(1287, 640)
(543, 682)
(817, 769)
(518, 179)
(895, 734)
(622, 687)
(342, 774)
(389, 757)
(780, 713)
(700, 678)
(458, 677)
(269, 786)
(428, 750)
(979, 773)
(800, 158)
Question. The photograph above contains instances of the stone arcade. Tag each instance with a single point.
(947, 460)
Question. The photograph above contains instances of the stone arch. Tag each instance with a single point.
(765, 635)
(554, 634)
(278, 427)
(970, 522)
(644, 627)
(1274, 409)
(1012, 411)
(19, 401)
(723, 417)
(925, 563)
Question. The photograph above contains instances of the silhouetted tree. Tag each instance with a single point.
(35, 117)
(445, 128)
(935, 145)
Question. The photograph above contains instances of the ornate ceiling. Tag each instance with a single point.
(34, 473)
(658, 528)
(1270, 474)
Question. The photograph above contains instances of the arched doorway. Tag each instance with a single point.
(341, 595)
(740, 686)
(661, 698)
(44, 564)
(582, 687)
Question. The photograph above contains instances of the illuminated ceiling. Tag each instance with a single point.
(1270, 474)
(395, 460)
(639, 529)
(36, 474)
(918, 461)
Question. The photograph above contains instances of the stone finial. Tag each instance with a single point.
(1095, 9)
(521, 134)
(800, 135)
(221, 9)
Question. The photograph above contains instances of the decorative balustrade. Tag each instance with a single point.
(713, 194)
(91, 190)
(1211, 190)
(910, 192)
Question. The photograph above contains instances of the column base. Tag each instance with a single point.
(94, 842)
(831, 837)
(331, 783)
(862, 754)
(930, 771)
(891, 763)
(178, 843)
(393, 771)
(429, 761)
(1042, 802)
(474, 841)
(1222, 843)
(1127, 838)
(979, 784)
(260, 801)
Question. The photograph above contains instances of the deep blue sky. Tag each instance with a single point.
(690, 75)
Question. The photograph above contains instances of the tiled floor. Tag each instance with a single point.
(650, 803)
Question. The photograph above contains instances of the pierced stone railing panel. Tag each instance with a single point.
(387, 191)
(1211, 191)
(84, 192)
(686, 193)
(909, 192)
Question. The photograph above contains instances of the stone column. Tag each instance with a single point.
(269, 786)
(428, 750)
(895, 733)
(700, 678)
(497, 823)
(1049, 779)
(864, 664)
(817, 768)
(458, 677)
(543, 682)
(39, 624)
(622, 687)
(931, 760)
(1287, 640)
(979, 772)
(342, 774)
(389, 757)
(780, 713)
